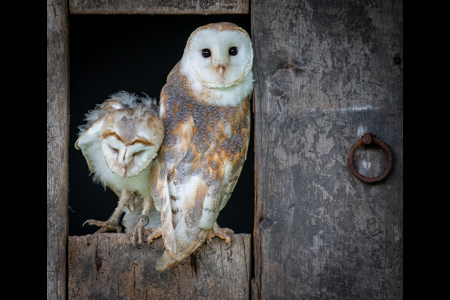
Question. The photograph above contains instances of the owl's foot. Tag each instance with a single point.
(153, 233)
(139, 230)
(137, 234)
(220, 232)
(105, 225)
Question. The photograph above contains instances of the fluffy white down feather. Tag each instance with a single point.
(126, 100)
(90, 143)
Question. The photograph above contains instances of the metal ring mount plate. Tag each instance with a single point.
(367, 139)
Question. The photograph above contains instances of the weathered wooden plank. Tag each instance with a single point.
(165, 7)
(326, 73)
(108, 266)
(57, 147)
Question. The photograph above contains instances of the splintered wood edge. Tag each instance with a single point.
(191, 7)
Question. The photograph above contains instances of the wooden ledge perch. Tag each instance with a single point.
(108, 266)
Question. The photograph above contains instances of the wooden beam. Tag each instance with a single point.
(162, 7)
(108, 266)
(326, 72)
(57, 147)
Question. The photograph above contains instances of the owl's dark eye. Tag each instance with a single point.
(233, 51)
(206, 53)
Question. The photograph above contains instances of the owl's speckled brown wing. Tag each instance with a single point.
(199, 163)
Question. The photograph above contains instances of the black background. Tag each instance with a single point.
(134, 53)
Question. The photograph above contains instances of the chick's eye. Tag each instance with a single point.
(139, 152)
(233, 51)
(114, 149)
(206, 53)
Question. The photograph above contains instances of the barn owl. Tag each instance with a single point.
(119, 142)
(205, 107)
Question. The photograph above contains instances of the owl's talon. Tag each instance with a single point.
(105, 225)
(153, 233)
(227, 245)
(223, 233)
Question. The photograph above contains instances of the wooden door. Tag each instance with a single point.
(327, 72)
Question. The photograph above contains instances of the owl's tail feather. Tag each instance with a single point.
(167, 261)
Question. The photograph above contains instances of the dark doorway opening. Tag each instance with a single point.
(134, 53)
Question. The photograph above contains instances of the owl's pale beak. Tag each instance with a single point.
(221, 70)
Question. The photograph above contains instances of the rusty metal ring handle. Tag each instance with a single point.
(367, 139)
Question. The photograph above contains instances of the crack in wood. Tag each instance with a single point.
(98, 260)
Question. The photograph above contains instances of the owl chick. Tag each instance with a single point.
(205, 107)
(120, 141)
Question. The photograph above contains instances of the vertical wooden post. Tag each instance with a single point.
(57, 147)
(327, 72)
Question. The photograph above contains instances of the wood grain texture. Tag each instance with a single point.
(57, 147)
(326, 73)
(165, 7)
(108, 266)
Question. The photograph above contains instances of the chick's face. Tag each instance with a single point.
(127, 160)
(130, 141)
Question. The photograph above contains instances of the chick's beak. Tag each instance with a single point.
(123, 172)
